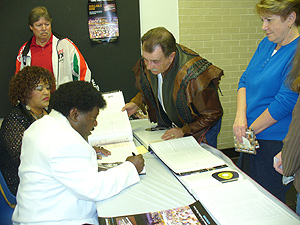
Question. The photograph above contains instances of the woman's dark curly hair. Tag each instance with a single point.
(26, 80)
(76, 94)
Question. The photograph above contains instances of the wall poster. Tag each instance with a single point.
(103, 21)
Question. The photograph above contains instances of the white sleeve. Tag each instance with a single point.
(74, 168)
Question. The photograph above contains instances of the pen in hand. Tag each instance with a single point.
(137, 160)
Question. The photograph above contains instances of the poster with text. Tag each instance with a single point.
(103, 21)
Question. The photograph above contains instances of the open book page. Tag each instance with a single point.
(241, 203)
(205, 179)
(194, 214)
(113, 132)
(119, 153)
(185, 155)
(113, 124)
(143, 134)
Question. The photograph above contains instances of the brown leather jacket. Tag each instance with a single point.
(197, 80)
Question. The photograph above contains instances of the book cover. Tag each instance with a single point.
(194, 214)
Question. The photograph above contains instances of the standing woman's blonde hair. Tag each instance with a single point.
(293, 79)
(282, 8)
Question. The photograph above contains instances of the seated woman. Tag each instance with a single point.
(29, 93)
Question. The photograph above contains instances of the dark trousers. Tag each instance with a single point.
(212, 134)
(260, 168)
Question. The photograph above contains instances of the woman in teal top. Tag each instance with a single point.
(263, 101)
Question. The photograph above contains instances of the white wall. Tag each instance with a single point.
(155, 13)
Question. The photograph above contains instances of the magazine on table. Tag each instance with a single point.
(194, 214)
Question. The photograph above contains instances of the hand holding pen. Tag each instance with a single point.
(137, 160)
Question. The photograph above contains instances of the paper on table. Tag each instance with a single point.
(241, 203)
(185, 155)
(119, 153)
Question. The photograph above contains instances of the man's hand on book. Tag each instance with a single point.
(101, 151)
(173, 133)
(138, 162)
(130, 107)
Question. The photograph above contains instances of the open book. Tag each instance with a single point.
(193, 214)
(242, 203)
(113, 124)
(185, 156)
(113, 131)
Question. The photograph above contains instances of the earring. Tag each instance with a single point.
(28, 107)
(290, 26)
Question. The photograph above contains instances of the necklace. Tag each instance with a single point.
(36, 117)
(39, 116)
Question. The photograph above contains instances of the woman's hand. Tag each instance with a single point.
(278, 165)
(239, 127)
(240, 123)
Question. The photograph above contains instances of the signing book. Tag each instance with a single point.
(113, 131)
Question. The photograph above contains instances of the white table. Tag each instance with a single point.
(159, 189)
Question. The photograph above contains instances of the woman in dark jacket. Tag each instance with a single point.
(29, 93)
